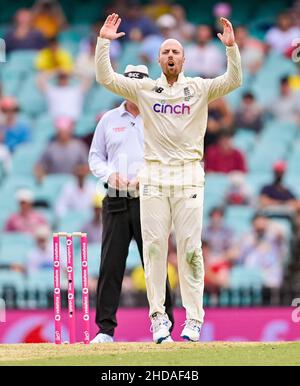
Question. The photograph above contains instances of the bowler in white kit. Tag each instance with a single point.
(174, 109)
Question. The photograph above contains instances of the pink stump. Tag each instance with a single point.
(71, 289)
(85, 289)
(57, 295)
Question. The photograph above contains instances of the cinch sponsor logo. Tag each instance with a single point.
(169, 109)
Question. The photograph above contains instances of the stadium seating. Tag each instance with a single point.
(242, 277)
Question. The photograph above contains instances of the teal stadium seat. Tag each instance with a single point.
(257, 180)
(294, 161)
(100, 100)
(14, 247)
(25, 157)
(23, 60)
(43, 129)
(51, 187)
(292, 178)
(74, 221)
(130, 54)
(86, 125)
(94, 251)
(215, 187)
(262, 158)
(11, 78)
(245, 278)
(11, 279)
(239, 218)
(40, 280)
(30, 98)
(244, 140)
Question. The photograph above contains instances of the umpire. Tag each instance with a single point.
(116, 155)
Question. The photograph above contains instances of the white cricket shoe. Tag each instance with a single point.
(160, 327)
(191, 331)
(102, 338)
(167, 340)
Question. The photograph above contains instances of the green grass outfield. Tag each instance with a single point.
(147, 354)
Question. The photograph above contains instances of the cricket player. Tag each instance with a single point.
(116, 154)
(174, 110)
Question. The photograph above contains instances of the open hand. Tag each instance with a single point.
(110, 27)
(227, 38)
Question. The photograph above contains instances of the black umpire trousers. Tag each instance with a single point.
(121, 223)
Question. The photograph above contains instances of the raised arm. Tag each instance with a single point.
(105, 75)
(232, 79)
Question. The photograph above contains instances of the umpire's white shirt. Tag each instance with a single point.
(118, 145)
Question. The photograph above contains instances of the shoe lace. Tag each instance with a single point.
(193, 324)
(158, 321)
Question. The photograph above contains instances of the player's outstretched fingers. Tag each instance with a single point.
(118, 23)
(115, 19)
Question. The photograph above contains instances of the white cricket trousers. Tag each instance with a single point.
(163, 202)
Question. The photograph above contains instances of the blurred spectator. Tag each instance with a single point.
(223, 157)
(294, 79)
(22, 36)
(49, 17)
(157, 8)
(5, 160)
(238, 192)
(217, 269)
(27, 220)
(134, 19)
(220, 118)
(64, 98)
(94, 227)
(77, 194)
(219, 236)
(54, 58)
(249, 114)
(222, 9)
(263, 249)
(85, 61)
(203, 58)
(13, 131)
(185, 30)
(63, 153)
(280, 38)
(295, 11)
(150, 46)
(287, 106)
(277, 194)
(41, 257)
(252, 50)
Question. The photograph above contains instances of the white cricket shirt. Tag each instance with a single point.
(175, 117)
